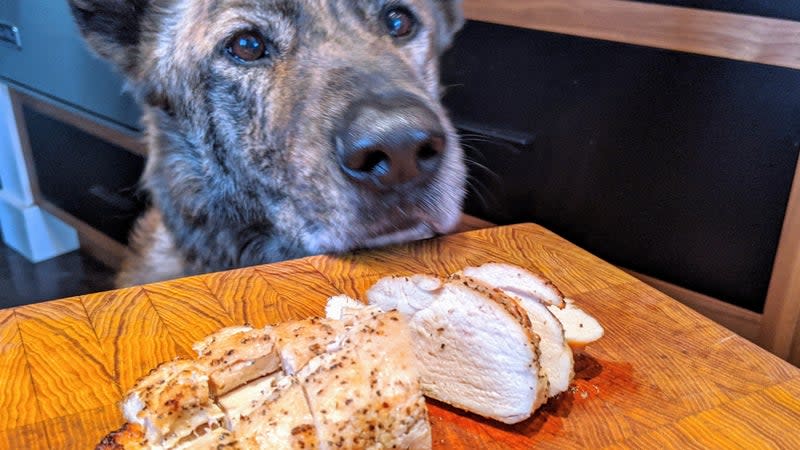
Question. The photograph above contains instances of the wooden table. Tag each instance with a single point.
(663, 376)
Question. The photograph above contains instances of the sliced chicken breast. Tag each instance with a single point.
(340, 306)
(282, 421)
(240, 403)
(172, 402)
(237, 355)
(218, 438)
(366, 394)
(476, 348)
(515, 280)
(300, 340)
(556, 355)
(580, 328)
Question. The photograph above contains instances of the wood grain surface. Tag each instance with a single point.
(712, 33)
(780, 330)
(662, 377)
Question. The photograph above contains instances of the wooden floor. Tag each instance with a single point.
(23, 283)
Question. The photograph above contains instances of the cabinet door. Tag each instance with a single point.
(54, 62)
(95, 181)
(674, 165)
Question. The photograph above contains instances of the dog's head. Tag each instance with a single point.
(312, 123)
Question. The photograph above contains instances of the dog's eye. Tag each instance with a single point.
(247, 46)
(400, 22)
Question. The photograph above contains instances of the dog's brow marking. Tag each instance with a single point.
(286, 8)
(212, 7)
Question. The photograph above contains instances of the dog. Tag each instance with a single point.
(278, 129)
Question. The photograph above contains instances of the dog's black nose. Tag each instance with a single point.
(388, 142)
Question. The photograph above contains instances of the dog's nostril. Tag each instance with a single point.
(431, 149)
(374, 162)
(427, 152)
(429, 155)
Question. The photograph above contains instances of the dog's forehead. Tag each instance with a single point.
(290, 8)
(199, 26)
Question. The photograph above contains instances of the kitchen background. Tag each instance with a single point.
(675, 163)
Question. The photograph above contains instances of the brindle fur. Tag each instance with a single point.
(241, 166)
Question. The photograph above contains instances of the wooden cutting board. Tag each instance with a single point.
(663, 376)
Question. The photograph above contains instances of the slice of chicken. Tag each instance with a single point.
(340, 306)
(360, 380)
(366, 394)
(218, 438)
(240, 403)
(281, 421)
(580, 328)
(556, 355)
(300, 340)
(476, 347)
(515, 280)
(172, 402)
(237, 355)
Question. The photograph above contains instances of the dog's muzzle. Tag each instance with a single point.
(390, 141)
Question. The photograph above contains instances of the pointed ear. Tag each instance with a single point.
(451, 20)
(113, 28)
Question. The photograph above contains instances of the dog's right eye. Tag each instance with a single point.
(400, 22)
(247, 46)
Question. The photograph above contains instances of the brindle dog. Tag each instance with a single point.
(283, 128)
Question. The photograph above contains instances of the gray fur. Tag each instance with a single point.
(241, 166)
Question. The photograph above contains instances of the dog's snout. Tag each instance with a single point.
(388, 143)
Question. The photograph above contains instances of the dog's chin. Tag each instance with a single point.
(414, 233)
(380, 236)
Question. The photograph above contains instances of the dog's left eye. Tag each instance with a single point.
(399, 21)
(247, 46)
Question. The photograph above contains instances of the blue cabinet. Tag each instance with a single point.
(55, 63)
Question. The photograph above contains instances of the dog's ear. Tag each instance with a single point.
(452, 19)
(113, 28)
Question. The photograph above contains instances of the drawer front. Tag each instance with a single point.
(91, 179)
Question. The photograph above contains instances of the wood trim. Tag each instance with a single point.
(794, 355)
(127, 140)
(741, 321)
(735, 36)
(17, 100)
(780, 330)
(98, 245)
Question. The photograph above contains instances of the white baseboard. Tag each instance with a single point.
(33, 232)
(26, 228)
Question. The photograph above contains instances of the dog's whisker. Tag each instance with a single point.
(444, 89)
(473, 152)
(492, 174)
(480, 136)
(478, 189)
